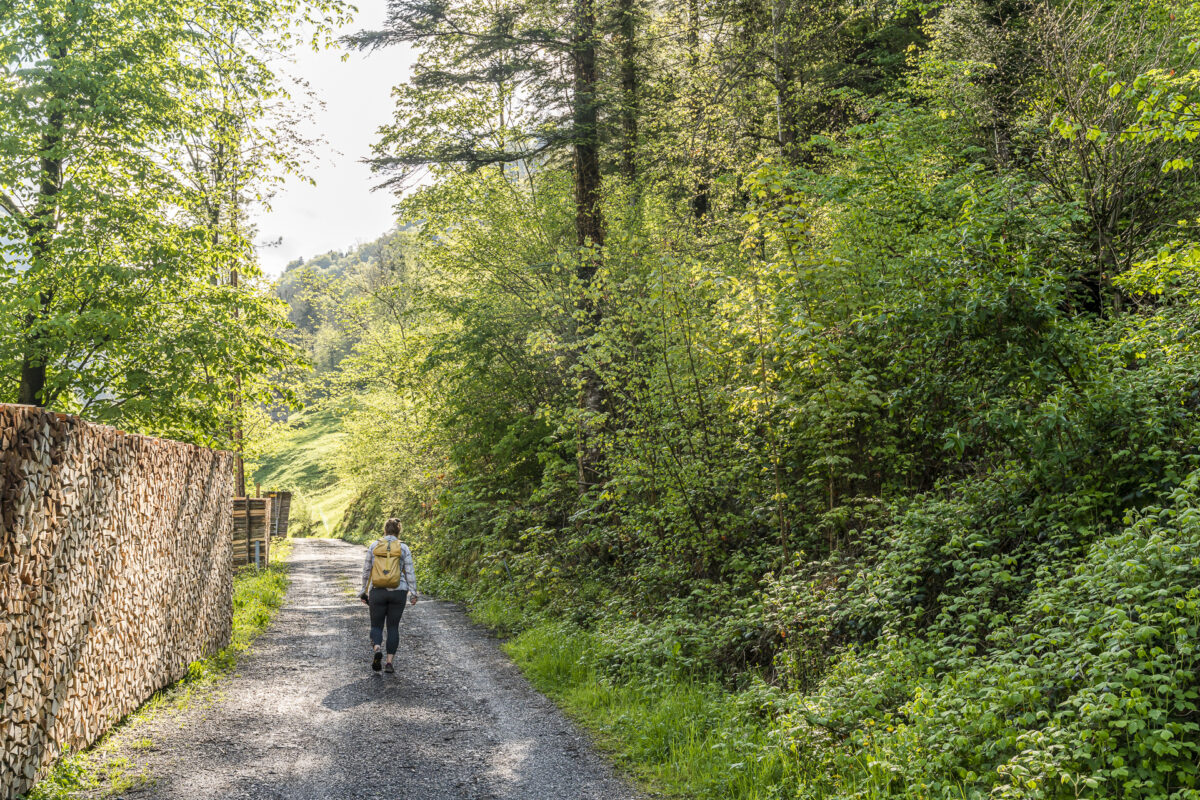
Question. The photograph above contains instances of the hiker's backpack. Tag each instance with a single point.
(388, 566)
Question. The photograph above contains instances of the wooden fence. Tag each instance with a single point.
(281, 507)
(114, 575)
(251, 530)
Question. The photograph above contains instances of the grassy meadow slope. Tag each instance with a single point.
(299, 457)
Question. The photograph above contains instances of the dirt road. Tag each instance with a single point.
(305, 717)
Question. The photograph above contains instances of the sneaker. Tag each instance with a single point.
(376, 661)
(389, 669)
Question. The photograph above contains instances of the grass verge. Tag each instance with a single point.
(105, 769)
(678, 736)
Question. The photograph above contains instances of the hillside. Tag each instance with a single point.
(299, 458)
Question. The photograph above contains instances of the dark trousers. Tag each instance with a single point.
(387, 606)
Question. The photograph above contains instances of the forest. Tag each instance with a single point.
(809, 392)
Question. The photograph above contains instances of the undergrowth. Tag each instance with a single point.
(1087, 688)
(106, 768)
(678, 734)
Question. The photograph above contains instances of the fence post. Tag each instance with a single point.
(249, 530)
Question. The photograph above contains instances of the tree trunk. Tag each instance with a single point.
(699, 201)
(783, 52)
(589, 227)
(41, 231)
(589, 223)
(629, 88)
(232, 218)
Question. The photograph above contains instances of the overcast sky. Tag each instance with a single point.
(341, 210)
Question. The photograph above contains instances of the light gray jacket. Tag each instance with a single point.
(408, 581)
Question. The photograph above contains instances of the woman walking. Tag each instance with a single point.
(388, 579)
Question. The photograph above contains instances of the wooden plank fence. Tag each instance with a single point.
(281, 508)
(251, 530)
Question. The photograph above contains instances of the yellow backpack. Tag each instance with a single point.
(388, 566)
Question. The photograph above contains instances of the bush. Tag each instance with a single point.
(1089, 689)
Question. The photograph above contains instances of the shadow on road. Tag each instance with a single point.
(363, 692)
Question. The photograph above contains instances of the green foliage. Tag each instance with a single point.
(684, 737)
(1086, 687)
(899, 429)
(134, 137)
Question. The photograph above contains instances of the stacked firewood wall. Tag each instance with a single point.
(115, 574)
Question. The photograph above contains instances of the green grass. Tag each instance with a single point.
(297, 457)
(104, 770)
(680, 737)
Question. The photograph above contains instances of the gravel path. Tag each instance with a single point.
(305, 717)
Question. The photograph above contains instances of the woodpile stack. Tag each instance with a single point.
(251, 530)
(115, 574)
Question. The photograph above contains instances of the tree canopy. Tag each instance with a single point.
(133, 138)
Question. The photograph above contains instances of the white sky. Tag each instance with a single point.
(341, 210)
